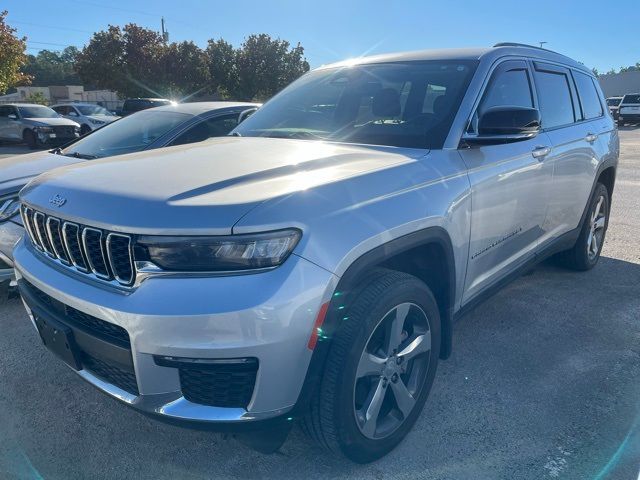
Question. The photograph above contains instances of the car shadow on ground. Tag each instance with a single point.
(544, 382)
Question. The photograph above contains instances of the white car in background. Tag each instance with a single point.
(89, 115)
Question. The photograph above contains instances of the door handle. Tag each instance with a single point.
(591, 137)
(540, 152)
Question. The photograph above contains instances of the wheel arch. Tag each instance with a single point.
(427, 254)
(608, 178)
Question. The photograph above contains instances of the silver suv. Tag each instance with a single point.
(36, 125)
(311, 266)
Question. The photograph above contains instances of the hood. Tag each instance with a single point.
(203, 188)
(16, 172)
(50, 122)
(102, 118)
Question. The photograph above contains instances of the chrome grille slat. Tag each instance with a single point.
(39, 223)
(71, 237)
(119, 245)
(27, 220)
(55, 237)
(95, 256)
(100, 254)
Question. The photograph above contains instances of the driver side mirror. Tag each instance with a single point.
(505, 125)
(246, 114)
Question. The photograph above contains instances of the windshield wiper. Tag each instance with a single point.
(83, 156)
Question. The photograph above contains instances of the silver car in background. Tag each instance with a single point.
(36, 125)
(310, 266)
(88, 115)
(175, 124)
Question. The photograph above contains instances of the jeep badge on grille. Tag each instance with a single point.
(57, 200)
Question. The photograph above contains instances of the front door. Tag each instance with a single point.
(509, 186)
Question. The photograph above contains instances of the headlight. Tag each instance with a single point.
(44, 129)
(223, 253)
(96, 122)
(9, 207)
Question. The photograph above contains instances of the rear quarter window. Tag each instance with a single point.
(589, 98)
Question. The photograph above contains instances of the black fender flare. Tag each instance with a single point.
(349, 286)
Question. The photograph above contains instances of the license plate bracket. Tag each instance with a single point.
(58, 338)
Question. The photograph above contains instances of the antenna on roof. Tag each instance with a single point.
(542, 43)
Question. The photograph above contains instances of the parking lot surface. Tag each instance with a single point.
(544, 382)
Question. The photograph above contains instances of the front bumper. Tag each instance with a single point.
(629, 117)
(10, 234)
(267, 316)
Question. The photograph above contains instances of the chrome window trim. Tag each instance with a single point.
(92, 267)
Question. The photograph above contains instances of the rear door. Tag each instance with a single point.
(508, 186)
(575, 125)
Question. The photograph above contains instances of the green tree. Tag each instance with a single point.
(100, 64)
(221, 59)
(128, 60)
(37, 97)
(12, 56)
(52, 68)
(185, 70)
(265, 66)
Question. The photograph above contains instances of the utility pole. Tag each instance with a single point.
(542, 43)
(165, 34)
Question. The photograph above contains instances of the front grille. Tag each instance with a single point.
(121, 378)
(106, 255)
(64, 131)
(112, 332)
(227, 385)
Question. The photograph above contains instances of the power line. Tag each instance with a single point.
(111, 7)
(50, 27)
(49, 43)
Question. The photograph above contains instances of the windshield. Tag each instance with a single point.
(631, 99)
(613, 102)
(130, 134)
(93, 110)
(37, 111)
(401, 104)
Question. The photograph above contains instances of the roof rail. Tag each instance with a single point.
(514, 44)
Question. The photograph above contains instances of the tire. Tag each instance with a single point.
(30, 139)
(585, 254)
(337, 418)
(84, 129)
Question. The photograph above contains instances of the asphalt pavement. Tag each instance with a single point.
(544, 383)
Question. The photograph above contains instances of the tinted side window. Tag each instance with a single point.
(213, 127)
(554, 96)
(509, 85)
(5, 111)
(589, 99)
(508, 88)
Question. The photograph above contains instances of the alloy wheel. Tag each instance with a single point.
(596, 232)
(391, 371)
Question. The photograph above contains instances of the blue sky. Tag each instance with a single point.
(599, 34)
